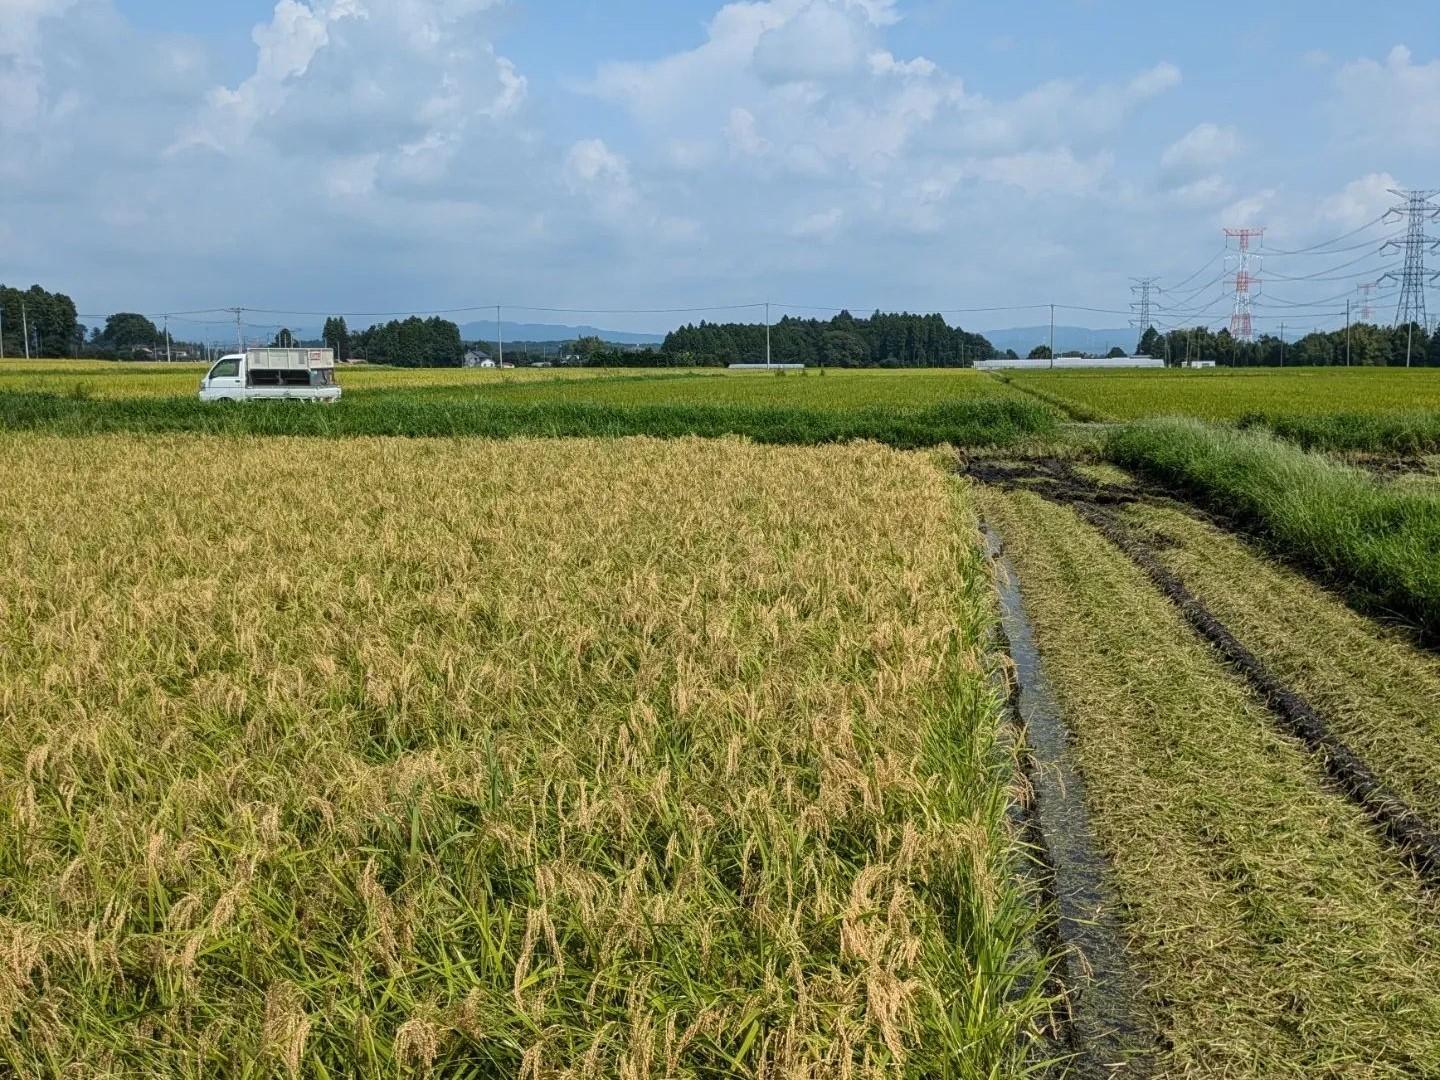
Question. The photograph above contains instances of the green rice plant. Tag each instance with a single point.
(978, 422)
(571, 758)
(1380, 543)
(1404, 432)
(838, 389)
(1230, 393)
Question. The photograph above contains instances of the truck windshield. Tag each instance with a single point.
(225, 369)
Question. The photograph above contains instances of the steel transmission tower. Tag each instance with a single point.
(1367, 313)
(1142, 288)
(1241, 328)
(1416, 208)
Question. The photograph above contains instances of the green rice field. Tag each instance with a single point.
(1218, 394)
(1228, 394)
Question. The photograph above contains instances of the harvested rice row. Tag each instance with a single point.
(1379, 693)
(1279, 935)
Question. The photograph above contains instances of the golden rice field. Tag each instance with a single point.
(461, 758)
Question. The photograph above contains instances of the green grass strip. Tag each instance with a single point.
(1380, 543)
(961, 423)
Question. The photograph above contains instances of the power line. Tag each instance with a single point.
(1314, 249)
(1186, 281)
(1321, 275)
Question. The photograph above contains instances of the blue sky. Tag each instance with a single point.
(392, 155)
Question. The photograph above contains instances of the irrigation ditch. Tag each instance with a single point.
(1103, 1031)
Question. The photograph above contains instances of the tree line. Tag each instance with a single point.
(1368, 346)
(47, 318)
(882, 340)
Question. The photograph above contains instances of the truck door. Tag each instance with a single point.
(225, 376)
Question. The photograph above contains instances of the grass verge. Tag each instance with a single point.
(1279, 934)
(546, 757)
(1382, 544)
(981, 422)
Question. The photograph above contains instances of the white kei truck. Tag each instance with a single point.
(272, 375)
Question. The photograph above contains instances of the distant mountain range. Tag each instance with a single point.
(1067, 338)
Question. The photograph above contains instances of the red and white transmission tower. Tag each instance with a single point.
(1367, 313)
(1240, 324)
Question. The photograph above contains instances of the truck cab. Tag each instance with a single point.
(272, 375)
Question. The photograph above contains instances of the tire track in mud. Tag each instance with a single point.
(1103, 1033)
(1096, 503)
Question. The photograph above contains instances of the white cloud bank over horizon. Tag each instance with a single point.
(384, 154)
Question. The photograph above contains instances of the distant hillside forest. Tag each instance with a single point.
(880, 341)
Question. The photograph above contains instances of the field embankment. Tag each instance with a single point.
(1380, 543)
(1280, 935)
(981, 421)
(379, 757)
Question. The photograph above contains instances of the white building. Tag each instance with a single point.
(1069, 362)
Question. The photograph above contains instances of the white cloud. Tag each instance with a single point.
(1191, 167)
(364, 129)
(22, 75)
(1200, 150)
(1360, 200)
(883, 62)
(1206, 191)
(398, 77)
(1250, 210)
(1392, 100)
(591, 163)
(391, 142)
(742, 134)
(823, 40)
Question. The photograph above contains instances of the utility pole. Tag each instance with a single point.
(1052, 336)
(1347, 333)
(767, 333)
(1282, 344)
(499, 339)
(1241, 326)
(25, 329)
(1416, 208)
(167, 339)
